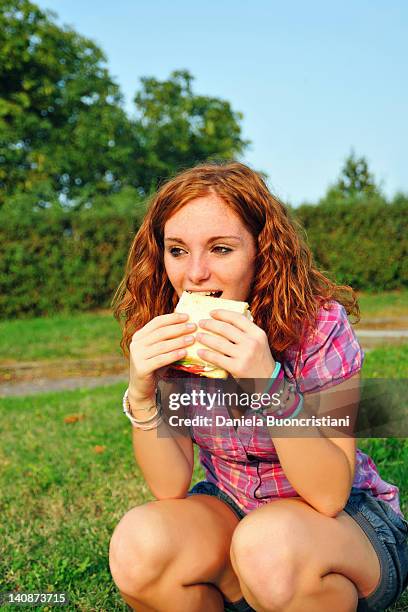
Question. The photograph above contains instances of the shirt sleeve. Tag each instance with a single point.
(332, 352)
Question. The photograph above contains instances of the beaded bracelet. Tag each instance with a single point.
(282, 412)
(294, 409)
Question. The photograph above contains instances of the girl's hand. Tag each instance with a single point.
(154, 347)
(240, 347)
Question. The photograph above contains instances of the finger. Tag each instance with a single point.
(234, 318)
(223, 362)
(169, 331)
(168, 346)
(223, 329)
(166, 359)
(219, 344)
(166, 319)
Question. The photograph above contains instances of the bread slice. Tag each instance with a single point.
(198, 307)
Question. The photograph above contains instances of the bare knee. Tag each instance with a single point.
(268, 574)
(139, 549)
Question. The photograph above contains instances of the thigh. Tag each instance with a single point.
(190, 538)
(306, 545)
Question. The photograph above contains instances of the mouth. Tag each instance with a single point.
(212, 293)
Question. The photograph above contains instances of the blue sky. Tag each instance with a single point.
(313, 79)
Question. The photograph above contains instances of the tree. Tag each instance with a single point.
(355, 181)
(64, 133)
(177, 128)
(62, 125)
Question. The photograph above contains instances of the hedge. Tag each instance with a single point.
(363, 244)
(55, 260)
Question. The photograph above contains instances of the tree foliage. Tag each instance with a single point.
(63, 129)
(62, 126)
(355, 182)
(177, 128)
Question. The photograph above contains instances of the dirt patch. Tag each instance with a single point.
(63, 368)
(383, 323)
(45, 385)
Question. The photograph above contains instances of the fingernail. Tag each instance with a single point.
(188, 338)
(191, 325)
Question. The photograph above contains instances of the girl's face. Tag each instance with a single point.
(208, 248)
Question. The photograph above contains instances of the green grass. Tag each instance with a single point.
(96, 334)
(386, 362)
(66, 336)
(60, 500)
(389, 304)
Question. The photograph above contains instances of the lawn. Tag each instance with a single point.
(386, 362)
(77, 336)
(65, 485)
(89, 335)
(63, 488)
(389, 304)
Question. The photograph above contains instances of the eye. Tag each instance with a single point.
(174, 251)
(222, 250)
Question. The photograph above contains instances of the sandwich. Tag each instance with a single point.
(198, 306)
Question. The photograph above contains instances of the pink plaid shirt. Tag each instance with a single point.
(242, 460)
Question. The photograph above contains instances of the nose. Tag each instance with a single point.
(198, 269)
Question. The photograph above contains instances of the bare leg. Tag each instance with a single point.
(337, 594)
(334, 592)
(174, 555)
(290, 557)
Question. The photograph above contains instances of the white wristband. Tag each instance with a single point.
(147, 424)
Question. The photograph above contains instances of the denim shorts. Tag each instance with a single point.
(386, 530)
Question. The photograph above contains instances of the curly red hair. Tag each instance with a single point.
(287, 290)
